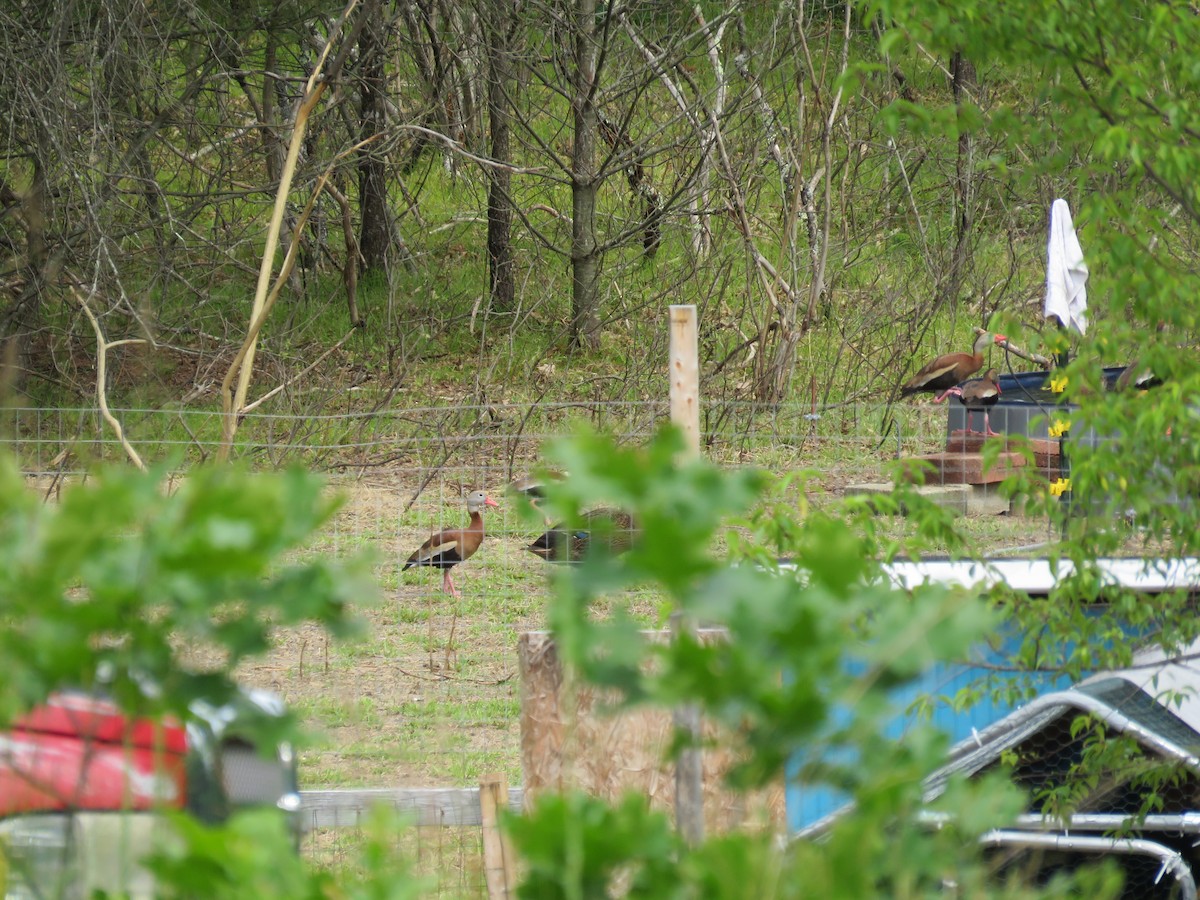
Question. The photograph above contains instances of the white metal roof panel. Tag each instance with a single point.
(1039, 576)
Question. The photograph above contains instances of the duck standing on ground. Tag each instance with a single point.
(613, 529)
(950, 369)
(977, 394)
(533, 488)
(450, 546)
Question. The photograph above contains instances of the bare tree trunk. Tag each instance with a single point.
(698, 202)
(273, 148)
(773, 387)
(499, 35)
(466, 69)
(963, 74)
(702, 236)
(585, 257)
(375, 230)
(24, 316)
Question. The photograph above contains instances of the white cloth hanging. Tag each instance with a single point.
(1066, 272)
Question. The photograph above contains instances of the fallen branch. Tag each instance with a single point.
(549, 210)
(744, 345)
(243, 364)
(102, 347)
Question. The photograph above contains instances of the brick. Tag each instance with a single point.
(968, 468)
(1046, 451)
(961, 441)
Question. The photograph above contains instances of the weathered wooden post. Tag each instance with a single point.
(499, 864)
(685, 413)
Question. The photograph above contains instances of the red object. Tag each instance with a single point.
(80, 753)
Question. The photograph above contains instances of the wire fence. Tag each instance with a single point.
(430, 696)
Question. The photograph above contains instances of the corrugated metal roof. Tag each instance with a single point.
(1039, 576)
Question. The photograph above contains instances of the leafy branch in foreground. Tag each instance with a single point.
(804, 677)
(112, 589)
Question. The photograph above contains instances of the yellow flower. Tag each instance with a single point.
(1061, 486)
(1060, 427)
(1058, 384)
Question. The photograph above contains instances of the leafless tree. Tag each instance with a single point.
(501, 23)
(375, 232)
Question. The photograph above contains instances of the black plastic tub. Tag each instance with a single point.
(1026, 406)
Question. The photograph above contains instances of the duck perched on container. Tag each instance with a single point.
(950, 369)
(977, 394)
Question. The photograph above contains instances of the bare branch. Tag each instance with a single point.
(1012, 348)
(290, 381)
(102, 348)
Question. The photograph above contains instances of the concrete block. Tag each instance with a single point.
(961, 499)
(950, 496)
(985, 500)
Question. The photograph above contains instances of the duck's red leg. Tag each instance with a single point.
(987, 427)
(451, 657)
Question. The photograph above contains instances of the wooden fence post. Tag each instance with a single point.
(685, 413)
(499, 870)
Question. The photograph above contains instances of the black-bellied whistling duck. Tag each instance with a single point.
(450, 546)
(950, 369)
(1138, 377)
(978, 393)
(613, 529)
(533, 487)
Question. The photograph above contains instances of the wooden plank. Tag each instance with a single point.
(498, 870)
(685, 413)
(685, 375)
(455, 807)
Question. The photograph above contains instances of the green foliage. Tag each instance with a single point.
(802, 680)
(109, 588)
(253, 856)
(575, 846)
(250, 856)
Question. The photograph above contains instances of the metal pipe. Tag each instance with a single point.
(1083, 703)
(1172, 861)
(1182, 823)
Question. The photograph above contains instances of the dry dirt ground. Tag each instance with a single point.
(399, 707)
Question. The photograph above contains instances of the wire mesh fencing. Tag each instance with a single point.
(429, 697)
